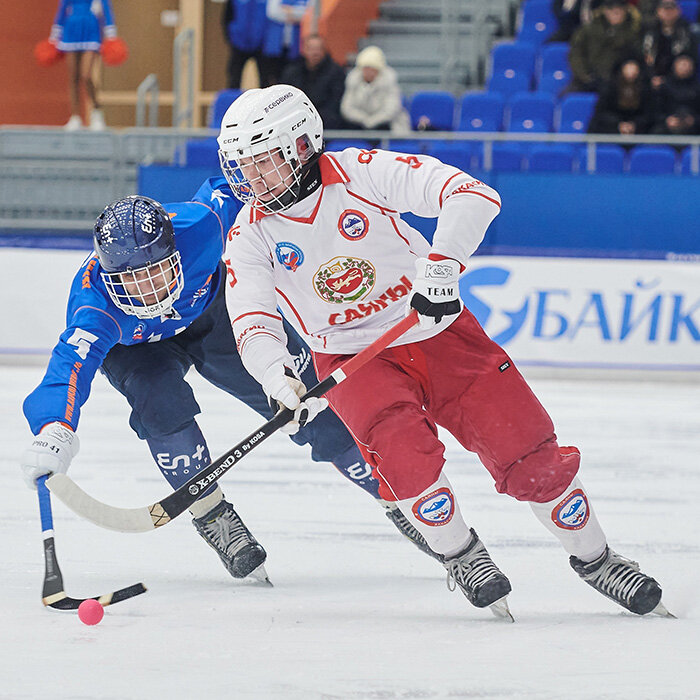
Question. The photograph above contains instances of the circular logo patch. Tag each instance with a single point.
(353, 224)
(289, 255)
(344, 279)
(437, 508)
(572, 512)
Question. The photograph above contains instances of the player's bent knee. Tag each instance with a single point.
(541, 475)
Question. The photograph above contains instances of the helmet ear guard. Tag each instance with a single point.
(141, 268)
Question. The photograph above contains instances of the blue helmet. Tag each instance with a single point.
(135, 244)
(133, 232)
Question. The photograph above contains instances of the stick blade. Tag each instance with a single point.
(62, 601)
(101, 514)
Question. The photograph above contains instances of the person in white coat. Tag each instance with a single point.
(372, 98)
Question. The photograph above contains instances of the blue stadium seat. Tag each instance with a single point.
(575, 112)
(530, 111)
(438, 106)
(536, 22)
(509, 82)
(222, 101)
(202, 153)
(481, 111)
(554, 83)
(517, 56)
(457, 153)
(609, 158)
(652, 160)
(342, 144)
(553, 57)
(552, 157)
(553, 72)
(686, 161)
(689, 9)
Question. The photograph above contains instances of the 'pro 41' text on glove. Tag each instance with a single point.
(51, 452)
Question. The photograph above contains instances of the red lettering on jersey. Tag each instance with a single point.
(85, 282)
(233, 281)
(368, 308)
(411, 161)
(366, 156)
(233, 231)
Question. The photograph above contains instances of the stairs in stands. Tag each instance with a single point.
(438, 44)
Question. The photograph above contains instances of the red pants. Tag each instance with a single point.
(464, 382)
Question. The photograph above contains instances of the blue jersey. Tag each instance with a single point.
(94, 324)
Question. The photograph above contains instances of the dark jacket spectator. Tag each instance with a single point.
(321, 78)
(668, 36)
(614, 33)
(571, 14)
(625, 105)
(244, 25)
(678, 99)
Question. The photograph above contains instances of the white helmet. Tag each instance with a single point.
(267, 137)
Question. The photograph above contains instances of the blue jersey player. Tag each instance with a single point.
(146, 306)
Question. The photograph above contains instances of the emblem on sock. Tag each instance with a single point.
(436, 508)
(571, 513)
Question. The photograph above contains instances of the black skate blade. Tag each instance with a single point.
(501, 610)
(260, 575)
(661, 611)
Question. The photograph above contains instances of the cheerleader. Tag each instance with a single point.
(78, 29)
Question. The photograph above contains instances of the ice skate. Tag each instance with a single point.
(407, 530)
(621, 580)
(481, 581)
(239, 551)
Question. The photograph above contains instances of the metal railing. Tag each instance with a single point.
(53, 179)
(183, 79)
(147, 94)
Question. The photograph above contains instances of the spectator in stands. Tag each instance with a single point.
(678, 100)
(614, 33)
(320, 77)
(79, 28)
(372, 98)
(571, 14)
(281, 39)
(244, 24)
(668, 36)
(625, 105)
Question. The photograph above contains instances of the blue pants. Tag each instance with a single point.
(152, 378)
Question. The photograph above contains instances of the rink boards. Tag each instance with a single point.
(545, 311)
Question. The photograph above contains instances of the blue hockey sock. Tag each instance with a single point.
(352, 465)
(181, 455)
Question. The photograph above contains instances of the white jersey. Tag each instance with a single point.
(340, 263)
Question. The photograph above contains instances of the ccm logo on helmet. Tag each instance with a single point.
(298, 124)
(230, 140)
(278, 101)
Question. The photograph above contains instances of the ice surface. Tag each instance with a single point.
(356, 612)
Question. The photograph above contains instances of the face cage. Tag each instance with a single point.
(164, 276)
(278, 182)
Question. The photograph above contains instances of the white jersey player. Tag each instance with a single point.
(321, 239)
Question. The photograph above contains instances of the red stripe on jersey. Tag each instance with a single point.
(383, 210)
(277, 317)
(438, 257)
(331, 172)
(294, 311)
(398, 233)
(255, 335)
(481, 194)
(307, 219)
(442, 191)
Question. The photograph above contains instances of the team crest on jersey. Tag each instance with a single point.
(344, 279)
(572, 512)
(437, 508)
(353, 224)
(289, 255)
(138, 331)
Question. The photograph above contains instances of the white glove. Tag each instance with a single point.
(283, 386)
(435, 290)
(51, 452)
